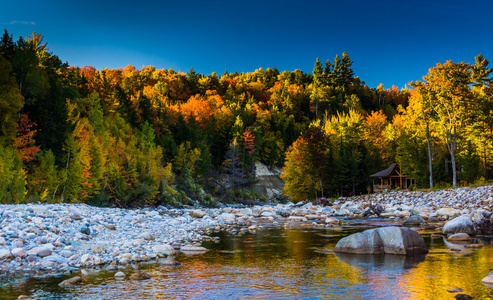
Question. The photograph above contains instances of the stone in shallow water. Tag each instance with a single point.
(388, 240)
(119, 274)
(459, 237)
(140, 275)
(413, 220)
(193, 248)
(462, 224)
(71, 281)
(163, 250)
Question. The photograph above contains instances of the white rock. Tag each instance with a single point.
(19, 252)
(193, 248)
(146, 236)
(197, 213)
(39, 209)
(226, 218)
(163, 250)
(120, 274)
(87, 258)
(332, 220)
(5, 254)
(39, 251)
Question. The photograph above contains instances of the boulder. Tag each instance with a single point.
(385, 240)
(163, 250)
(459, 237)
(462, 224)
(414, 220)
(488, 279)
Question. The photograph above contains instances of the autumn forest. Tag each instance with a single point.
(128, 137)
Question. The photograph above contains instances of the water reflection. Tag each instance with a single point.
(386, 261)
(287, 263)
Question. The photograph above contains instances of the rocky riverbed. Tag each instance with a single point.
(47, 239)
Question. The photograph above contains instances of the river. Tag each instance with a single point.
(289, 263)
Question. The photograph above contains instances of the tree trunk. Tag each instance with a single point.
(429, 153)
(452, 154)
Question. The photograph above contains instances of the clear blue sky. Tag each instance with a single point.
(390, 42)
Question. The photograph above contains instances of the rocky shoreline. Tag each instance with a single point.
(49, 239)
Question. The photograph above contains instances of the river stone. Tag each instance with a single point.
(86, 258)
(312, 217)
(19, 252)
(2, 241)
(366, 242)
(402, 213)
(140, 275)
(110, 226)
(488, 279)
(197, 213)
(39, 209)
(163, 250)
(193, 248)
(70, 281)
(342, 212)
(332, 220)
(462, 224)
(413, 221)
(119, 274)
(40, 251)
(85, 230)
(146, 236)
(389, 240)
(459, 237)
(448, 212)
(5, 254)
(226, 218)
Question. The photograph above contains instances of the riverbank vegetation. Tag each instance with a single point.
(131, 136)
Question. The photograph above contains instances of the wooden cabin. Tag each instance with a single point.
(390, 179)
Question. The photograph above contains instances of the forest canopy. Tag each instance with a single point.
(128, 136)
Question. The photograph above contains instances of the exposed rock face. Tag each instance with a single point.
(385, 240)
(269, 185)
(462, 224)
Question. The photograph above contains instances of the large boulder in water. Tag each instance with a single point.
(462, 224)
(385, 240)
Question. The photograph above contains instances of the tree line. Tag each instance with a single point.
(126, 137)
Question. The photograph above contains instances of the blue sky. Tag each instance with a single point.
(390, 42)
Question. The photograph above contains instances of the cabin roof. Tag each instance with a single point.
(386, 172)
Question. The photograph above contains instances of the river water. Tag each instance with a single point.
(294, 263)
